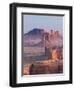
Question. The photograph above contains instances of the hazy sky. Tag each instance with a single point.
(44, 22)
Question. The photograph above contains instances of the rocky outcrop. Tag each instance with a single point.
(43, 67)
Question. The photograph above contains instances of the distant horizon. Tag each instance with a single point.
(42, 29)
(46, 23)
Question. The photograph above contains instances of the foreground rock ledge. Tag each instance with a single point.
(43, 67)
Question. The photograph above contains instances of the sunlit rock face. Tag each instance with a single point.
(54, 39)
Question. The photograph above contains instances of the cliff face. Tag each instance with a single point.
(53, 39)
(56, 39)
(38, 44)
(39, 37)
